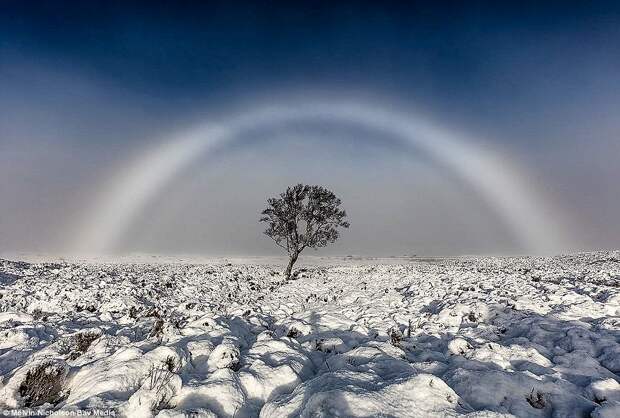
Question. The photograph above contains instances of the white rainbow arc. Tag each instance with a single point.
(500, 184)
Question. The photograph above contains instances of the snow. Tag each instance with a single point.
(471, 336)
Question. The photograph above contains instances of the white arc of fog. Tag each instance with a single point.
(499, 183)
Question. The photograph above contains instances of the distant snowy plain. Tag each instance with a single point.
(475, 337)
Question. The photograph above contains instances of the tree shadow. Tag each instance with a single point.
(7, 279)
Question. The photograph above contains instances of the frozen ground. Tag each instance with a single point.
(476, 337)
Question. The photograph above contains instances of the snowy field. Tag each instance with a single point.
(476, 337)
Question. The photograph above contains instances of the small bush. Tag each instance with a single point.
(319, 346)
(171, 364)
(293, 333)
(81, 342)
(396, 337)
(158, 380)
(73, 346)
(39, 315)
(157, 331)
(43, 384)
(536, 399)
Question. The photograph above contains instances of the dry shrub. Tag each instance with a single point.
(81, 342)
(39, 315)
(157, 331)
(171, 364)
(293, 333)
(396, 336)
(536, 399)
(43, 384)
(158, 379)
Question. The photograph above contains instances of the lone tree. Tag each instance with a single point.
(303, 216)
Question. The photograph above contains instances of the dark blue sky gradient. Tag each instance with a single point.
(458, 51)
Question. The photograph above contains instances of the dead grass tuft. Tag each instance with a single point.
(43, 384)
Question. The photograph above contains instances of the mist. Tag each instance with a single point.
(77, 111)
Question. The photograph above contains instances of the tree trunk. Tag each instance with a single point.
(289, 268)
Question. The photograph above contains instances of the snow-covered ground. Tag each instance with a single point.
(479, 337)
